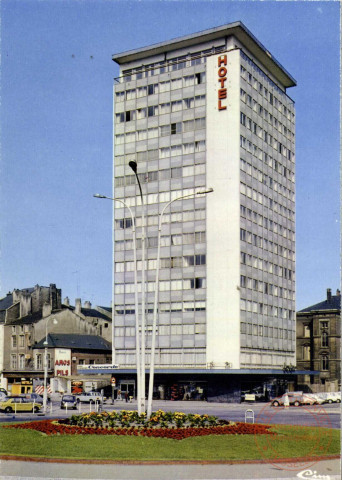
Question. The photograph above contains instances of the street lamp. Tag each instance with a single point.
(137, 341)
(133, 166)
(156, 292)
(46, 361)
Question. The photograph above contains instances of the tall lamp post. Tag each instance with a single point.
(137, 340)
(156, 295)
(46, 362)
(133, 166)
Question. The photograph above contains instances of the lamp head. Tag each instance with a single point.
(97, 195)
(133, 166)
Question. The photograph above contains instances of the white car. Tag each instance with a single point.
(330, 397)
(90, 397)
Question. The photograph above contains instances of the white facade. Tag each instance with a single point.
(208, 110)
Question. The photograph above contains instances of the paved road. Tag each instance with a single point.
(10, 470)
(325, 415)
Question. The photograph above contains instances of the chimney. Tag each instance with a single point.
(66, 302)
(47, 309)
(338, 293)
(78, 305)
(87, 304)
(329, 295)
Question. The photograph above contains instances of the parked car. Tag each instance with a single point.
(258, 393)
(19, 404)
(69, 401)
(330, 397)
(34, 397)
(296, 399)
(90, 397)
(3, 395)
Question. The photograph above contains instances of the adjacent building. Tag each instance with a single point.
(319, 344)
(208, 110)
(26, 316)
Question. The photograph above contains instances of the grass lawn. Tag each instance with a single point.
(291, 442)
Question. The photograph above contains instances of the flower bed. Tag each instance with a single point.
(163, 425)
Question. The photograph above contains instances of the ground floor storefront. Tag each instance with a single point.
(208, 385)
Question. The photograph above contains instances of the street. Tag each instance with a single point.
(326, 415)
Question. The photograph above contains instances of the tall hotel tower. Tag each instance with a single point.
(200, 111)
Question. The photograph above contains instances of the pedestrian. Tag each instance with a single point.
(126, 397)
(286, 401)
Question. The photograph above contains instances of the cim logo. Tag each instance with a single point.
(222, 78)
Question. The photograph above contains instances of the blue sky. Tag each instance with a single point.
(56, 130)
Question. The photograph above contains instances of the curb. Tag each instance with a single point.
(166, 462)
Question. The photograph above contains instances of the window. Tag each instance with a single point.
(152, 110)
(22, 341)
(13, 361)
(176, 128)
(21, 361)
(39, 362)
(306, 352)
(306, 331)
(14, 341)
(325, 339)
(325, 362)
(152, 89)
(81, 361)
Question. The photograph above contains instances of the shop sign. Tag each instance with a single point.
(97, 367)
(62, 362)
(222, 78)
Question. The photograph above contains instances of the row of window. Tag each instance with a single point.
(323, 325)
(170, 65)
(253, 216)
(171, 262)
(162, 131)
(164, 307)
(176, 217)
(164, 285)
(257, 152)
(264, 309)
(163, 330)
(161, 197)
(269, 202)
(165, 241)
(263, 331)
(20, 329)
(264, 135)
(324, 359)
(267, 117)
(145, 156)
(166, 86)
(20, 340)
(267, 180)
(258, 196)
(261, 242)
(19, 361)
(161, 109)
(259, 286)
(260, 264)
(262, 221)
(159, 175)
(244, 72)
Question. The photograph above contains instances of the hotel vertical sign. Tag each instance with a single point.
(222, 78)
